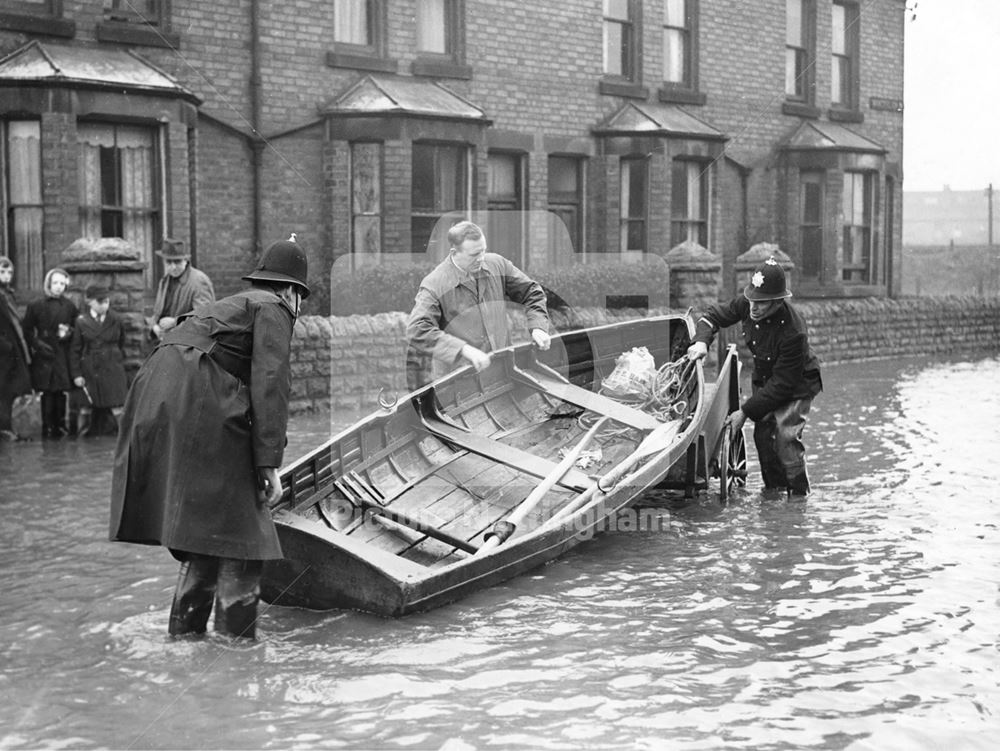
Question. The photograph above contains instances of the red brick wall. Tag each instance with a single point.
(536, 69)
(225, 249)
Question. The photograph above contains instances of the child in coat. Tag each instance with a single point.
(48, 329)
(97, 363)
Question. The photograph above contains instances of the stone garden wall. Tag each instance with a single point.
(343, 363)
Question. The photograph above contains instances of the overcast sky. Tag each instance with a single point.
(952, 95)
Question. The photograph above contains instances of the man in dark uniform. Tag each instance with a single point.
(201, 440)
(786, 374)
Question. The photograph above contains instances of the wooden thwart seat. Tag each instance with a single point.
(502, 452)
(581, 397)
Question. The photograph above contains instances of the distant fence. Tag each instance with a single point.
(344, 363)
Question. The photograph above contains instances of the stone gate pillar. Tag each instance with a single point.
(113, 263)
(694, 276)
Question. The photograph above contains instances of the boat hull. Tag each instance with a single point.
(381, 557)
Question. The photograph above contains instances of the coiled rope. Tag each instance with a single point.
(666, 397)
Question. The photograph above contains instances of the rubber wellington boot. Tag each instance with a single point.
(798, 485)
(194, 596)
(237, 596)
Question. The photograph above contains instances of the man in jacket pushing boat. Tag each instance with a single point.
(786, 375)
(200, 442)
(460, 310)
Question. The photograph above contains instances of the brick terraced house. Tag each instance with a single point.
(631, 125)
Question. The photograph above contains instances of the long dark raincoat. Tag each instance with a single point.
(49, 352)
(15, 378)
(98, 354)
(207, 408)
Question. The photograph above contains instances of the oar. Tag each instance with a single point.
(656, 441)
(504, 529)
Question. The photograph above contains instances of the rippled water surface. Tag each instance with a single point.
(865, 618)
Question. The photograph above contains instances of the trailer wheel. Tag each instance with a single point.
(732, 463)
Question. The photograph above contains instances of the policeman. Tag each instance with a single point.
(786, 376)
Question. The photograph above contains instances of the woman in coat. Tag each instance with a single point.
(48, 328)
(201, 440)
(97, 361)
(15, 378)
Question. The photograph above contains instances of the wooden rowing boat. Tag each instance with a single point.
(480, 477)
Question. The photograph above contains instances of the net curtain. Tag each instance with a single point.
(24, 164)
(118, 186)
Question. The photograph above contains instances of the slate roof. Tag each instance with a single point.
(387, 96)
(657, 119)
(813, 135)
(54, 64)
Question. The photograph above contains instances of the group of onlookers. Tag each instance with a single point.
(72, 362)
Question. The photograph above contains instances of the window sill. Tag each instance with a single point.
(57, 27)
(800, 109)
(623, 88)
(673, 95)
(145, 36)
(845, 116)
(361, 62)
(441, 69)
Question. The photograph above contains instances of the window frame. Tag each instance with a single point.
(817, 177)
(122, 23)
(684, 91)
(358, 248)
(849, 90)
(627, 83)
(885, 267)
(559, 203)
(451, 62)
(41, 17)
(626, 219)
(156, 212)
(683, 222)
(29, 262)
(422, 214)
(508, 202)
(805, 74)
(371, 56)
(865, 261)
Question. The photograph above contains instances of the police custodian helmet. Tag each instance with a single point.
(283, 261)
(767, 282)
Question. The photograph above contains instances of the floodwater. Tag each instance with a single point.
(865, 618)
